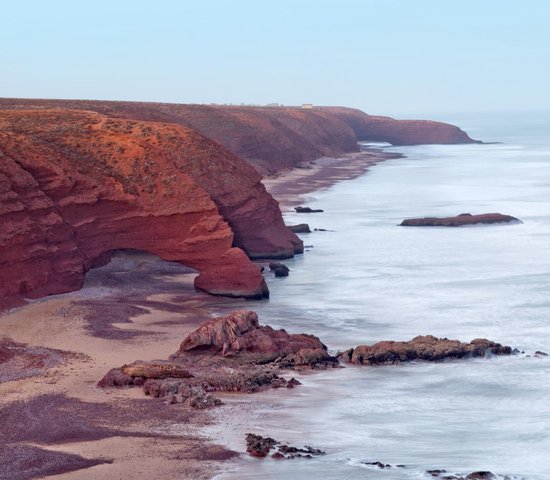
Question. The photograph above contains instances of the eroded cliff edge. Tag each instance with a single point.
(272, 138)
(75, 185)
(79, 179)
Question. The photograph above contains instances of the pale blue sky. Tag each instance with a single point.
(383, 56)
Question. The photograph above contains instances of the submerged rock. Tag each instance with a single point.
(300, 228)
(444, 475)
(258, 446)
(279, 269)
(426, 348)
(307, 210)
(459, 220)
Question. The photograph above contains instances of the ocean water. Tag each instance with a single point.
(369, 280)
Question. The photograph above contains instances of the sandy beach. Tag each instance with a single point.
(59, 421)
(56, 422)
(291, 187)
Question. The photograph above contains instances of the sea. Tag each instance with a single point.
(367, 279)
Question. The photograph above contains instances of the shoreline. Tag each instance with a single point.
(289, 187)
(119, 316)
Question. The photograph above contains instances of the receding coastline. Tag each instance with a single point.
(110, 322)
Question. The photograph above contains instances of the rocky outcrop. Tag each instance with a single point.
(226, 354)
(74, 186)
(307, 210)
(375, 128)
(425, 348)
(279, 269)
(240, 336)
(258, 446)
(459, 220)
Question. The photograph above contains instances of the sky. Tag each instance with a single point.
(383, 56)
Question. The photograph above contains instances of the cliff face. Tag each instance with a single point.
(271, 138)
(399, 132)
(79, 179)
(76, 185)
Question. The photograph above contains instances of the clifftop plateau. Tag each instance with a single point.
(271, 138)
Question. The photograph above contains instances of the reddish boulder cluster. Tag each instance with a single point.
(240, 335)
(226, 354)
(75, 185)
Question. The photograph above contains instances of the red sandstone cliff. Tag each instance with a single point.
(272, 138)
(76, 185)
(399, 132)
(81, 178)
(269, 138)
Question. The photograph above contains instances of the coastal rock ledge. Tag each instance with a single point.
(459, 220)
(76, 186)
(425, 348)
(225, 354)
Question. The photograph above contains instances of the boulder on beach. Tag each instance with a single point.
(459, 220)
(427, 348)
(307, 210)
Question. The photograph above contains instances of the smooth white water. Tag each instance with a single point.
(372, 280)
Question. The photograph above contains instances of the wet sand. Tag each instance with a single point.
(291, 187)
(54, 421)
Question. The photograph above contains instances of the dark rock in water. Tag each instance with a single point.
(480, 476)
(307, 210)
(541, 354)
(323, 230)
(281, 272)
(439, 473)
(436, 473)
(378, 464)
(459, 220)
(426, 348)
(258, 446)
(300, 228)
(279, 269)
(293, 383)
(274, 265)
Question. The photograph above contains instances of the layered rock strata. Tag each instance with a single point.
(272, 138)
(74, 186)
(374, 128)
